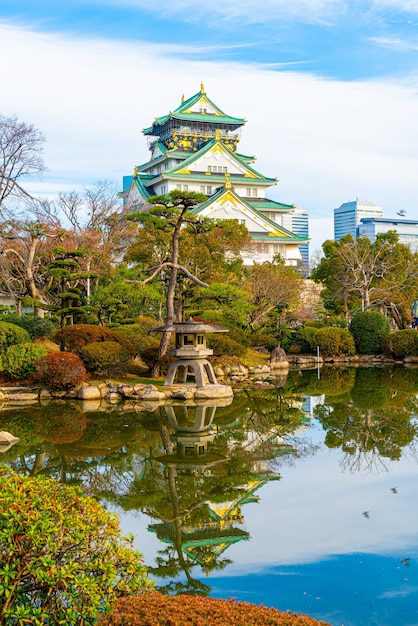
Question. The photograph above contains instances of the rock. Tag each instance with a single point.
(213, 391)
(21, 396)
(89, 392)
(113, 397)
(7, 438)
(182, 394)
(278, 359)
(44, 395)
(126, 391)
(153, 395)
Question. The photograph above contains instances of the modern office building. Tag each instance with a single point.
(194, 148)
(297, 221)
(407, 229)
(347, 218)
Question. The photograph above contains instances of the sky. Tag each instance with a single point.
(329, 89)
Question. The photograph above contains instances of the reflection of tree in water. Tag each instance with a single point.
(207, 483)
(373, 422)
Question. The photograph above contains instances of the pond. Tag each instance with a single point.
(300, 494)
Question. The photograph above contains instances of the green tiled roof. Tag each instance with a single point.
(288, 236)
(206, 148)
(138, 181)
(271, 204)
(181, 113)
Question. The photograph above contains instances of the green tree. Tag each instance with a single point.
(169, 215)
(383, 273)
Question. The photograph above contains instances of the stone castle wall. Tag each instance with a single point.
(310, 299)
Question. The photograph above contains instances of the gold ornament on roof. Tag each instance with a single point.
(217, 135)
(202, 88)
(182, 99)
(227, 182)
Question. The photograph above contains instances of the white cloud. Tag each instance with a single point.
(394, 43)
(410, 6)
(327, 141)
(251, 11)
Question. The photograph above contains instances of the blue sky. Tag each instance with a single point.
(329, 89)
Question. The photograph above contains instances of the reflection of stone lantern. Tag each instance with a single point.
(191, 365)
(192, 435)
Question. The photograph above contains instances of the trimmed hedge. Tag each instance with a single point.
(73, 338)
(401, 343)
(160, 610)
(332, 341)
(10, 335)
(20, 361)
(36, 326)
(224, 345)
(101, 357)
(369, 329)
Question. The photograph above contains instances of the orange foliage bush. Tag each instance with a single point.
(73, 338)
(156, 609)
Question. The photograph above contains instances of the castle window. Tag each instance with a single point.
(209, 168)
(209, 190)
(255, 193)
(248, 192)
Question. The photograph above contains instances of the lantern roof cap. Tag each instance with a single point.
(191, 326)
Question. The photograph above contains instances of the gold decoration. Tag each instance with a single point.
(202, 88)
(227, 182)
(182, 98)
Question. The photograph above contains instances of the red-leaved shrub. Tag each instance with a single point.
(158, 609)
(60, 371)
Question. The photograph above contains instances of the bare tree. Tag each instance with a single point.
(21, 149)
(24, 256)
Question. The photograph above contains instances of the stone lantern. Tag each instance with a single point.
(191, 365)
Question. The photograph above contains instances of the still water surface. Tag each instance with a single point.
(301, 495)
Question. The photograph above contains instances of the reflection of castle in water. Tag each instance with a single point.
(203, 532)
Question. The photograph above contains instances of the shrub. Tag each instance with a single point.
(401, 343)
(73, 338)
(369, 329)
(305, 338)
(20, 361)
(35, 326)
(137, 334)
(60, 371)
(149, 349)
(63, 558)
(158, 609)
(10, 334)
(224, 345)
(102, 357)
(334, 341)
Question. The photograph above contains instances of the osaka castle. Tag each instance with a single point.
(194, 148)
